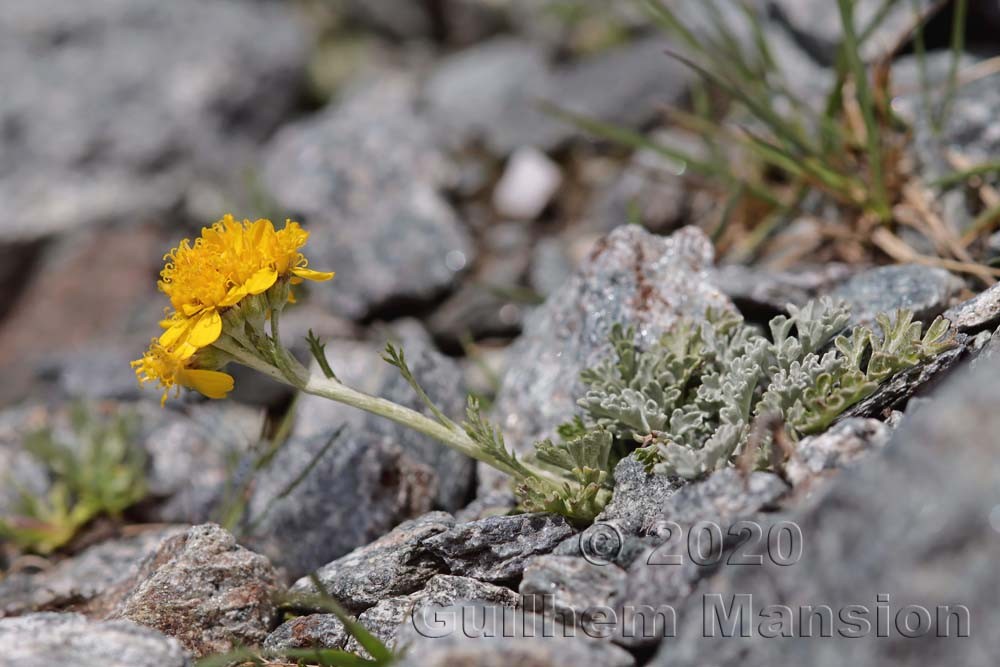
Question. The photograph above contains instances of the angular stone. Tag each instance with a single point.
(494, 504)
(668, 572)
(638, 496)
(475, 93)
(206, 591)
(114, 109)
(388, 617)
(395, 564)
(371, 158)
(496, 548)
(313, 631)
(321, 497)
(360, 365)
(631, 278)
(491, 636)
(568, 586)
(43, 640)
(191, 454)
(79, 582)
(980, 312)
(844, 444)
(918, 524)
(491, 92)
(651, 186)
(760, 294)
(925, 290)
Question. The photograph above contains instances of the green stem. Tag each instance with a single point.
(454, 438)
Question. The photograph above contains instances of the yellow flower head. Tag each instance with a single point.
(176, 368)
(230, 261)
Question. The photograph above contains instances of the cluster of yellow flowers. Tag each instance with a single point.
(229, 262)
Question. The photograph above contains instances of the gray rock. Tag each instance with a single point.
(568, 586)
(206, 591)
(917, 523)
(365, 176)
(79, 582)
(668, 572)
(632, 278)
(493, 504)
(385, 619)
(495, 549)
(43, 640)
(487, 305)
(651, 188)
(191, 453)
(968, 130)
(759, 294)
(319, 498)
(476, 93)
(551, 266)
(925, 290)
(360, 365)
(492, 636)
(395, 564)
(312, 631)
(114, 109)
(818, 26)
(16, 464)
(638, 496)
(627, 86)
(722, 496)
(492, 92)
(980, 312)
(845, 443)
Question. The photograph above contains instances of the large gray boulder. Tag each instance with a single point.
(904, 545)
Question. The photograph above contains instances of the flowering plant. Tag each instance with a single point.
(227, 291)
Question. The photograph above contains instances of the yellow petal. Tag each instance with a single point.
(176, 330)
(261, 281)
(213, 384)
(234, 296)
(206, 329)
(191, 309)
(291, 297)
(309, 274)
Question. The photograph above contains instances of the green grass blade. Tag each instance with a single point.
(760, 108)
(638, 141)
(957, 48)
(955, 178)
(865, 100)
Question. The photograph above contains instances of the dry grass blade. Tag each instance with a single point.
(899, 250)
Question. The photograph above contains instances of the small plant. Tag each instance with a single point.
(689, 402)
(102, 473)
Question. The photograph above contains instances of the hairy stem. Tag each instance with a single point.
(454, 438)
